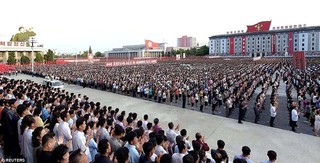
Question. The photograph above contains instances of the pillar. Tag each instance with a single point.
(5, 57)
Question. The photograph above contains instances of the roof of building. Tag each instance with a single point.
(269, 32)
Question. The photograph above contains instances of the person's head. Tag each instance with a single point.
(188, 159)
(156, 121)
(78, 156)
(122, 155)
(182, 147)
(37, 112)
(81, 124)
(220, 144)
(149, 125)
(60, 154)
(22, 110)
(183, 132)
(239, 160)
(37, 135)
(132, 138)
(170, 125)
(65, 116)
(165, 158)
(195, 155)
(159, 139)
(27, 121)
(145, 117)
(89, 128)
(148, 149)
(198, 136)
(22, 29)
(272, 155)
(48, 141)
(104, 147)
(246, 151)
(118, 131)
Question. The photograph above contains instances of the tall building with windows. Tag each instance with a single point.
(186, 41)
(279, 41)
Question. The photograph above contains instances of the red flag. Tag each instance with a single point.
(261, 26)
(273, 47)
(151, 45)
(290, 43)
(231, 45)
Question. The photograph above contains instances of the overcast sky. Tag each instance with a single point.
(73, 25)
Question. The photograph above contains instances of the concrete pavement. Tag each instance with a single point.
(290, 147)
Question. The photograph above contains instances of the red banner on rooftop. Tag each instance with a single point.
(259, 27)
(151, 45)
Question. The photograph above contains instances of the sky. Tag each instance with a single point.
(70, 26)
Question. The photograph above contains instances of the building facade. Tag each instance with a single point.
(267, 43)
(186, 41)
(136, 51)
(19, 49)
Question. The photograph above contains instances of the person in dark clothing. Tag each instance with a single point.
(48, 144)
(184, 100)
(11, 132)
(104, 152)
(148, 150)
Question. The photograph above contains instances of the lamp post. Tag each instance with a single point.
(32, 41)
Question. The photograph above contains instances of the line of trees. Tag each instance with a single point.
(196, 51)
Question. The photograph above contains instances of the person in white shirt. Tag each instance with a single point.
(177, 157)
(145, 122)
(28, 125)
(162, 146)
(317, 123)
(272, 157)
(79, 140)
(245, 154)
(22, 111)
(64, 130)
(273, 113)
(294, 118)
(172, 134)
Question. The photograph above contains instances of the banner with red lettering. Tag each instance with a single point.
(243, 45)
(231, 45)
(290, 43)
(128, 63)
(261, 26)
(273, 47)
(299, 61)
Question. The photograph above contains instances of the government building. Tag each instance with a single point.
(148, 50)
(19, 49)
(258, 40)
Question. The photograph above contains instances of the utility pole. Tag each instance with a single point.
(32, 41)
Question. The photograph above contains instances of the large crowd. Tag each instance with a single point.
(221, 85)
(43, 124)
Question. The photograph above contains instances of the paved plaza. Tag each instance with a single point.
(291, 147)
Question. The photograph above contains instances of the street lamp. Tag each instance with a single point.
(32, 41)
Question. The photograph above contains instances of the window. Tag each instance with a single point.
(312, 39)
(295, 44)
(302, 35)
(263, 50)
(302, 49)
(312, 48)
(284, 49)
(284, 40)
(312, 34)
(269, 38)
(295, 49)
(268, 42)
(263, 38)
(302, 44)
(258, 38)
(295, 40)
(252, 38)
(252, 46)
(278, 37)
(302, 40)
(211, 44)
(258, 46)
(313, 44)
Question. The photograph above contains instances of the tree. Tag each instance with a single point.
(98, 54)
(25, 59)
(203, 50)
(39, 57)
(49, 56)
(84, 54)
(11, 58)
